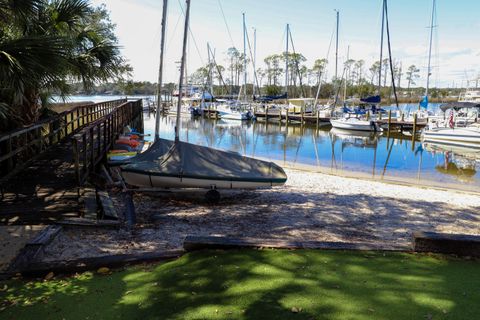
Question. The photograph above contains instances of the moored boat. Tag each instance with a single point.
(354, 123)
(464, 136)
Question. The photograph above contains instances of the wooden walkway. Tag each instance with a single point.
(46, 188)
(43, 192)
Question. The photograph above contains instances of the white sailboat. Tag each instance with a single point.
(238, 110)
(359, 121)
(354, 123)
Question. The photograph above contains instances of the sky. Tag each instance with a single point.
(456, 41)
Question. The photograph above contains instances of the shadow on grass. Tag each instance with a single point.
(265, 284)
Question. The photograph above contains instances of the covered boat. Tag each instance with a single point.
(169, 164)
(178, 164)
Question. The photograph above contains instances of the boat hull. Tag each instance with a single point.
(353, 125)
(156, 181)
(462, 137)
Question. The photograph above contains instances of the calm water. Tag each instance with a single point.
(376, 155)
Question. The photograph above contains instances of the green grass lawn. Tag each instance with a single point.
(259, 284)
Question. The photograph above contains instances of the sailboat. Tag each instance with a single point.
(238, 110)
(178, 164)
(356, 119)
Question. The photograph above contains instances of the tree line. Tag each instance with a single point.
(361, 80)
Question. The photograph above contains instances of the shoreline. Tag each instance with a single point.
(387, 179)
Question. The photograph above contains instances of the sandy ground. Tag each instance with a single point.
(311, 206)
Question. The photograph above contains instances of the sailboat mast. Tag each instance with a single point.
(244, 59)
(254, 57)
(160, 72)
(336, 44)
(381, 50)
(182, 69)
(346, 75)
(336, 60)
(286, 62)
(210, 75)
(430, 48)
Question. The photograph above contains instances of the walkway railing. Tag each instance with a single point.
(19, 147)
(91, 144)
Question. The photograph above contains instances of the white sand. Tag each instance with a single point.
(311, 206)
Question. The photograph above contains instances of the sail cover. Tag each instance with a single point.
(371, 99)
(270, 98)
(186, 160)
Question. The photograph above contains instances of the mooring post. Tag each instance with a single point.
(414, 130)
(302, 121)
(286, 115)
(389, 119)
(318, 117)
(130, 215)
(266, 113)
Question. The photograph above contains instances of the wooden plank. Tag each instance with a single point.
(93, 263)
(192, 243)
(90, 204)
(108, 207)
(33, 250)
(89, 223)
(459, 244)
(45, 236)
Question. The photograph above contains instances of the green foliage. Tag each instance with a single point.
(47, 44)
(272, 90)
(259, 284)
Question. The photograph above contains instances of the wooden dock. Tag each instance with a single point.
(310, 118)
(315, 119)
(38, 181)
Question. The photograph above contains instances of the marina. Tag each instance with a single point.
(377, 155)
(243, 181)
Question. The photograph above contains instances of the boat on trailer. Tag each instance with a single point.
(170, 164)
(178, 164)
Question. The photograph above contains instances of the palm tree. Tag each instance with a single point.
(45, 45)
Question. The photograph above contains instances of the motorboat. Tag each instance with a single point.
(468, 136)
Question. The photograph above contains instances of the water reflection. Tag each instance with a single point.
(380, 155)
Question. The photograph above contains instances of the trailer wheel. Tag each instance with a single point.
(212, 196)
